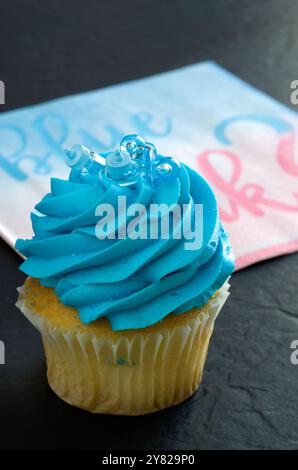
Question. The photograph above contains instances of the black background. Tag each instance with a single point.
(249, 395)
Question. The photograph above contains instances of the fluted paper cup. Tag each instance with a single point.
(133, 373)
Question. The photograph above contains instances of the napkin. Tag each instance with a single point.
(242, 141)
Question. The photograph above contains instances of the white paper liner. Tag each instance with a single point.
(130, 376)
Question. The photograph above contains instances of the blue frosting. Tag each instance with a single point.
(134, 283)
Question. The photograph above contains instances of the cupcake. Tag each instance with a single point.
(127, 271)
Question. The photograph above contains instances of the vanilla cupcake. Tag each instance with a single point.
(128, 269)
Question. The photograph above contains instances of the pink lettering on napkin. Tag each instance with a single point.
(256, 182)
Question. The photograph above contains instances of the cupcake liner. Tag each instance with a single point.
(128, 375)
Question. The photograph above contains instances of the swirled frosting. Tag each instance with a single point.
(134, 283)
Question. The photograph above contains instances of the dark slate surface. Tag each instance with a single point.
(249, 395)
